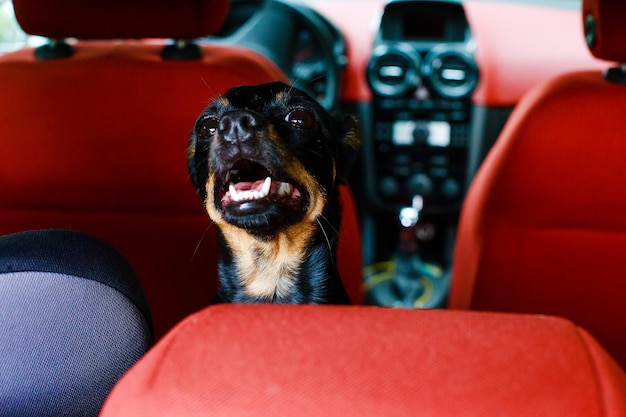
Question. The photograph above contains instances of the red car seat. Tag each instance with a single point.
(543, 227)
(94, 134)
(277, 360)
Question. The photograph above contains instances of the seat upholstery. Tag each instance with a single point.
(119, 19)
(73, 319)
(273, 360)
(543, 226)
(97, 141)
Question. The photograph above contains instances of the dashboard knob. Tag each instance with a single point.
(389, 186)
(420, 184)
(450, 188)
(420, 133)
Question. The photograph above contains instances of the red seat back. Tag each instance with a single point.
(276, 360)
(97, 141)
(543, 227)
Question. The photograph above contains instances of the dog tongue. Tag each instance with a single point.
(247, 185)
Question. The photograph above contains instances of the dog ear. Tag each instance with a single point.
(348, 145)
(191, 160)
(195, 159)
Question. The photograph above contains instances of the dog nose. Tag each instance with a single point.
(239, 126)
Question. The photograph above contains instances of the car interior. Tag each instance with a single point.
(482, 228)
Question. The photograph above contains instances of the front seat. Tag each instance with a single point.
(543, 227)
(93, 133)
(285, 360)
(73, 319)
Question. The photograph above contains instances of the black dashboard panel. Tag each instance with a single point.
(422, 74)
(423, 21)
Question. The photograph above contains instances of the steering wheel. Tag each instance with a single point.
(274, 32)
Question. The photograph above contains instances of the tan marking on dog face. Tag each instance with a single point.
(269, 268)
(209, 204)
(317, 199)
(281, 96)
(191, 151)
(222, 101)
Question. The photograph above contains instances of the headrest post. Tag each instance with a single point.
(616, 75)
(181, 50)
(54, 49)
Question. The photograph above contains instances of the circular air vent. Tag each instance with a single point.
(452, 73)
(394, 70)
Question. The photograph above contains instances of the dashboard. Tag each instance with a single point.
(432, 83)
(422, 73)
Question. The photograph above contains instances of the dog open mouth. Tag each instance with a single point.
(252, 188)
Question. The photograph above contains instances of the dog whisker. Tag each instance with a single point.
(201, 240)
(293, 85)
(191, 175)
(208, 87)
(330, 248)
(319, 77)
(195, 251)
(330, 224)
(193, 255)
(314, 152)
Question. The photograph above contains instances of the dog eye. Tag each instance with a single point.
(300, 118)
(208, 128)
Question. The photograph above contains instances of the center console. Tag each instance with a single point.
(422, 74)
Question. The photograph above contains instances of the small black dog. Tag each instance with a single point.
(267, 161)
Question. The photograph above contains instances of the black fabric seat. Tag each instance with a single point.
(73, 319)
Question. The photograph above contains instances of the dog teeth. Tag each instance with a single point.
(284, 189)
(233, 192)
(266, 187)
(247, 195)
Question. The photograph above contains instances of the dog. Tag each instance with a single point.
(267, 161)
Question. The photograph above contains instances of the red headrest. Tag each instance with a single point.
(605, 28)
(110, 19)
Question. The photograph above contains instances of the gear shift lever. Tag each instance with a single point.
(406, 283)
(406, 280)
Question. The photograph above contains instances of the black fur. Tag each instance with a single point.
(274, 130)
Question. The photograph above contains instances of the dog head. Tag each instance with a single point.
(267, 157)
